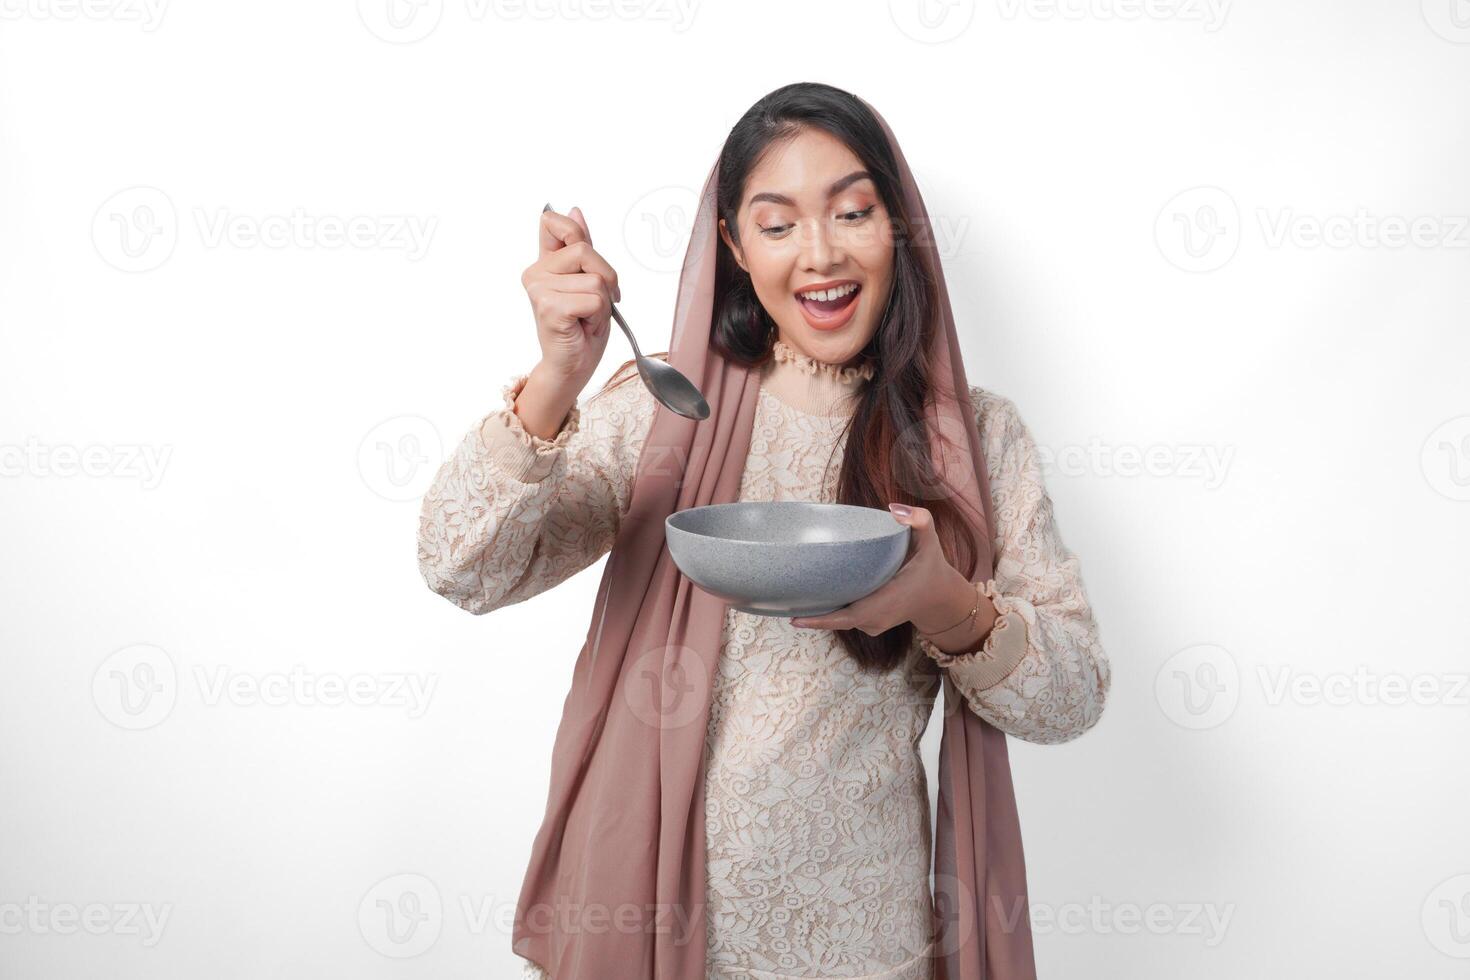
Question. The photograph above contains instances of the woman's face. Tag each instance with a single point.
(811, 219)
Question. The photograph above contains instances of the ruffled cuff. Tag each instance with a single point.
(1004, 647)
(516, 452)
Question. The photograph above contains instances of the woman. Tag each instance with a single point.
(775, 824)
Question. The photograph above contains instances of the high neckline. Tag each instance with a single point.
(812, 386)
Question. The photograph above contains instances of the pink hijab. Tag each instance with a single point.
(615, 889)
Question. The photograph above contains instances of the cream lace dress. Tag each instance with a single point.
(817, 810)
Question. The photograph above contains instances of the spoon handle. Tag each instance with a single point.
(627, 332)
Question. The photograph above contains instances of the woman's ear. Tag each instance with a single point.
(730, 244)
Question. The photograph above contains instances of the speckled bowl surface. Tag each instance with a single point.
(787, 557)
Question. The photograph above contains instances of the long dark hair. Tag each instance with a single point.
(889, 459)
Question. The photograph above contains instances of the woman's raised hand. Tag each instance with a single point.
(572, 289)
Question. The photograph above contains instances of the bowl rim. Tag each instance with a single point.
(898, 530)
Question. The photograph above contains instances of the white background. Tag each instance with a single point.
(1171, 234)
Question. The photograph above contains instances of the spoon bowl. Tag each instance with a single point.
(668, 384)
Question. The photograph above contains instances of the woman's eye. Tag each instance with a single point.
(852, 217)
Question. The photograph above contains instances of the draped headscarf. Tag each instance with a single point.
(615, 888)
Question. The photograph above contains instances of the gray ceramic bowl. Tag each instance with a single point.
(787, 557)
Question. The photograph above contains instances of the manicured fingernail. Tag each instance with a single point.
(902, 510)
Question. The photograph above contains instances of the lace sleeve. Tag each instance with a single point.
(510, 515)
(1041, 674)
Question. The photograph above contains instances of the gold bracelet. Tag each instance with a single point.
(969, 617)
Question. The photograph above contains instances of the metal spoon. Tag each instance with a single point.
(664, 380)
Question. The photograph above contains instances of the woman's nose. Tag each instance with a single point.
(818, 249)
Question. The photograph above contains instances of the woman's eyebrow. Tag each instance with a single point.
(837, 187)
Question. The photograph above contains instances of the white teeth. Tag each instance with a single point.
(823, 295)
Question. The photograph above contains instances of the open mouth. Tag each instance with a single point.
(829, 304)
